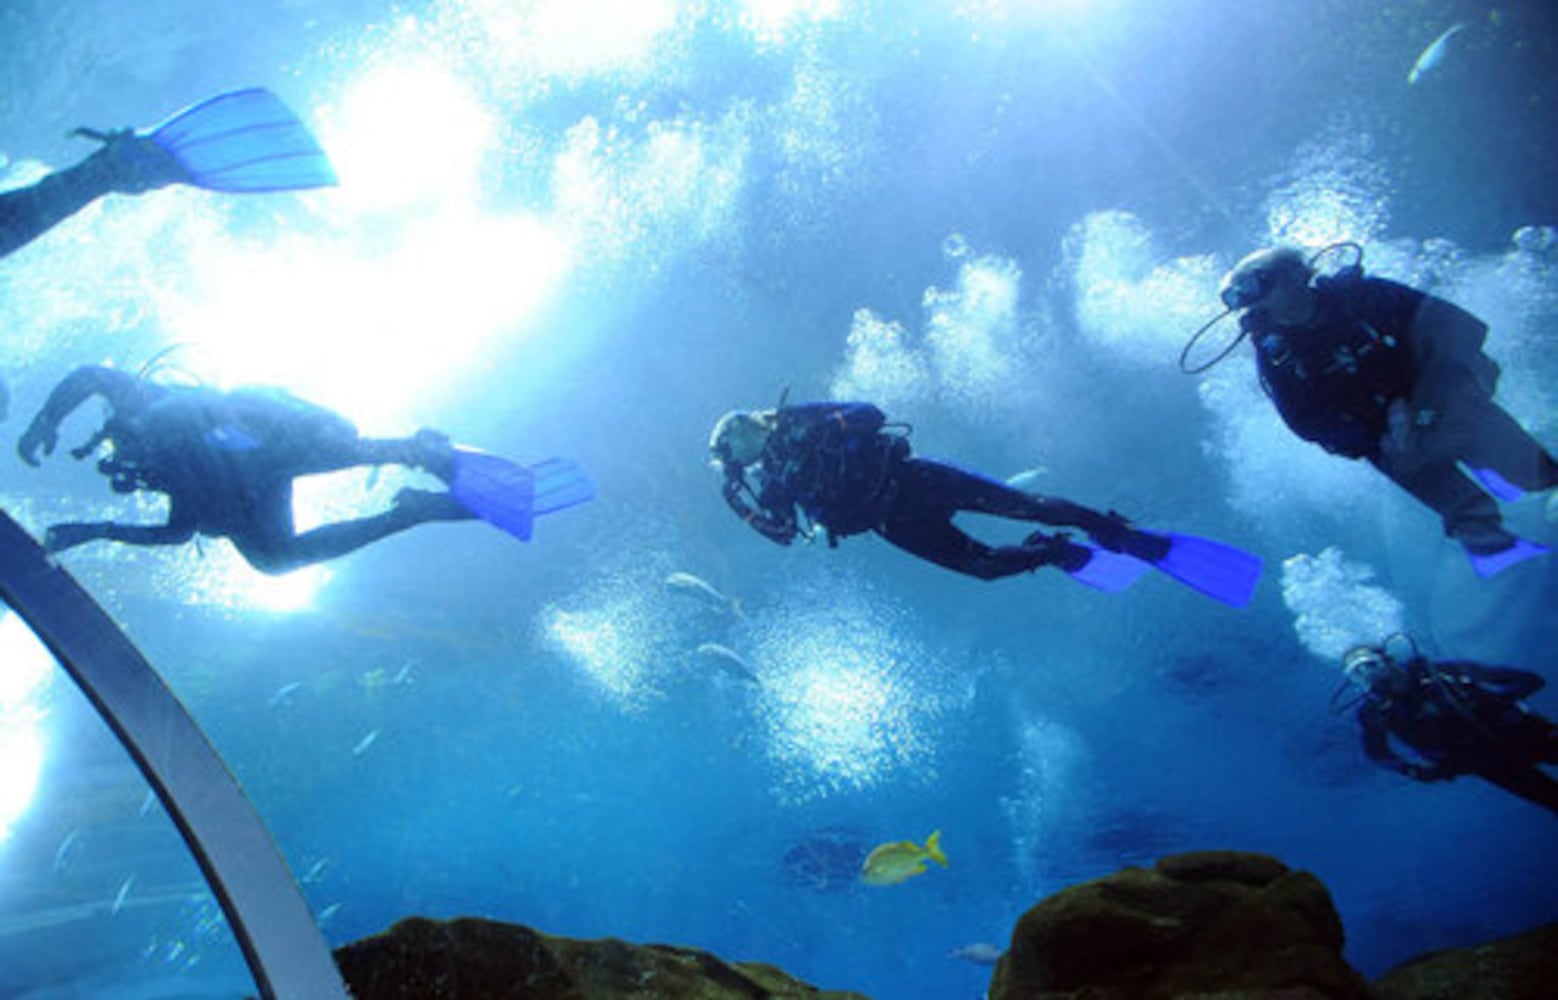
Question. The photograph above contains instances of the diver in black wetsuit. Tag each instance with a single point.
(1368, 368)
(843, 468)
(226, 461)
(1457, 718)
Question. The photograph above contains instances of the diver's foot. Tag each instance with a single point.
(435, 453)
(1056, 550)
(1487, 563)
(430, 505)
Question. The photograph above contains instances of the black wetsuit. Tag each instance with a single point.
(1333, 381)
(1373, 343)
(1465, 718)
(843, 468)
(226, 462)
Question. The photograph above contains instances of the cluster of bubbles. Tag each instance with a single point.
(851, 699)
(1335, 603)
(973, 356)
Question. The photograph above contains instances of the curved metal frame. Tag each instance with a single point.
(267, 913)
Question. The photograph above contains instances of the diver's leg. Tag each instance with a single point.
(938, 541)
(61, 537)
(271, 551)
(1470, 516)
(428, 450)
(953, 488)
(1487, 437)
(934, 538)
(1529, 783)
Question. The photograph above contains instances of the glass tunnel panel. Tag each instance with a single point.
(98, 893)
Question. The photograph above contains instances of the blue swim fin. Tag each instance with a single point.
(1494, 563)
(1108, 571)
(511, 496)
(1219, 571)
(560, 484)
(1497, 485)
(496, 490)
(245, 140)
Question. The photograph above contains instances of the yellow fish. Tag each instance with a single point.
(898, 862)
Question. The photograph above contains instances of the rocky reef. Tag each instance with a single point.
(1213, 924)
(472, 959)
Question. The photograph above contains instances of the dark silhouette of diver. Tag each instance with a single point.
(842, 467)
(1457, 718)
(226, 461)
(1369, 368)
(126, 164)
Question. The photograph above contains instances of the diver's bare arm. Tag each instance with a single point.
(121, 389)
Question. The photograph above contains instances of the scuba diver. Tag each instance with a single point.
(843, 468)
(244, 140)
(1369, 368)
(226, 462)
(1458, 718)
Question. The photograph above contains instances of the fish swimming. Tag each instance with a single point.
(979, 953)
(701, 590)
(1434, 54)
(898, 862)
(1028, 479)
(283, 695)
(729, 661)
(364, 743)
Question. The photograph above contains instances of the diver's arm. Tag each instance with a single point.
(127, 163)
(1506, 682)
(120, 389)
(772, 525)
(1376, 743)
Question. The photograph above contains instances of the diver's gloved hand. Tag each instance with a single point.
(39, 435)
(1404, 425)
(130, 163)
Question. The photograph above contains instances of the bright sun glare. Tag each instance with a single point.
(27, 672)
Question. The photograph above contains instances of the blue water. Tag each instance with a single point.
(589, 229)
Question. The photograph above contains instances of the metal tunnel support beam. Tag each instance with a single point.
(267, 913)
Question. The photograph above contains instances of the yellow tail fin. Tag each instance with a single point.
(933, 849)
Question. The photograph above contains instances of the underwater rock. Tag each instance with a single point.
(1220, 922)
(475, 959)
(1523, 967)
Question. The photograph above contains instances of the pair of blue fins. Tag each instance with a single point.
(1229, 574)
(248, 141)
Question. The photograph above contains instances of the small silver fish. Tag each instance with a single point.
(315, 871)
(283, 695)
(124, 893)
(979, 953)
(364, 743)
(729, 661)
(1434, 54)
(1028, 479)
(701, 590)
